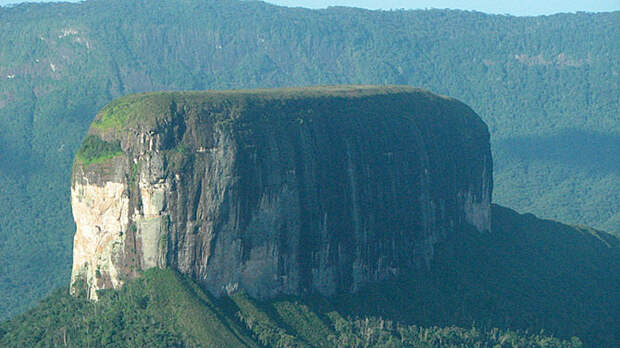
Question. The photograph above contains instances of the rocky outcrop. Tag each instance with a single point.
(276, 191)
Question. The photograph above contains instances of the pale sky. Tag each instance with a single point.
(513, 7)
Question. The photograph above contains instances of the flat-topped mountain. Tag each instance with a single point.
(546, 95)
(377, 197)
(284, 191)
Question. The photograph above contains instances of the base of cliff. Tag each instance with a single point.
(482, 289)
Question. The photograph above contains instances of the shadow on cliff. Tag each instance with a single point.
(570, 147)
(528, 274)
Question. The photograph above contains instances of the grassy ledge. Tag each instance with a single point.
(116, 114)
(95, 150)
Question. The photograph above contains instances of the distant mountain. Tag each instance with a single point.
(546, 86)
(530, 274)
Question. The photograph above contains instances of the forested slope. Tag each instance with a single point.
(534, 283)
(550, 82)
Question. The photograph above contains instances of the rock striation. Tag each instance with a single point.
(284, 191)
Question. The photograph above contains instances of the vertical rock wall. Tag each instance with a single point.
(278, 191)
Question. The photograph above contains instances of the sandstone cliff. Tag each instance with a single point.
(276, 191)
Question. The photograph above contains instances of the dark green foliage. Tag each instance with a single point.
(95, 150)
(314, 322)
(161, 309)
(164, 309)
(549, 78)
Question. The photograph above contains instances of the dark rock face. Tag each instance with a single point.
(279, 191)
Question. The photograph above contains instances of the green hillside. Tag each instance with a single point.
(161, 309)
(529, 283)
(141, 314)
(549, 82)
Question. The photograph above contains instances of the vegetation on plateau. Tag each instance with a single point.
(95, 150)
(142, 109)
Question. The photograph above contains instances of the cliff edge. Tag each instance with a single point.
(283, 191)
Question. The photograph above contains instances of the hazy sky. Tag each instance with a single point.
(514, 7)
